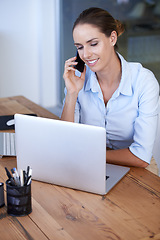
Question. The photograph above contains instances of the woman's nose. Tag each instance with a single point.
(86, 53)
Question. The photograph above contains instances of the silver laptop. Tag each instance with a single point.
(67, 154)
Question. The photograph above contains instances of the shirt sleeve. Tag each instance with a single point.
(77, 113)
(145, 125)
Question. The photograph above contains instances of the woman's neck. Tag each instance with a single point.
(112, 74)
(109, 79)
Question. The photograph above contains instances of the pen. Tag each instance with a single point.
(15, 170)
(16, 179)
(13, 174)
(25, 177)
(17, 176)
(8, 173)
(28, 171)
(10, 177)
(21, 177)
(29, 181)
(29, 175)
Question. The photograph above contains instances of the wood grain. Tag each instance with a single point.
(40, 111)
(130, 211)
(11, 107)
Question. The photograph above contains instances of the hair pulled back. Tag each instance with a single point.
(101, 19)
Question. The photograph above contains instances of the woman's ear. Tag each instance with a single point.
(113, 38)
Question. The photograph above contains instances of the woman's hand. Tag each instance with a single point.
(73, 83)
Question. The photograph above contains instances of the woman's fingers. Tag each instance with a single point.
(73, 83)
(70, 62)
(69, 67)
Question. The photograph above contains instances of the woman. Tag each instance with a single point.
(112, 93)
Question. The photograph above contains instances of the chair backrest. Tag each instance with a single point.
(156, 149)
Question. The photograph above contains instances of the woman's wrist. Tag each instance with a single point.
(69, 107)
(71, 96)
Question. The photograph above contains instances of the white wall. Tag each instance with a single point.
(28, 50)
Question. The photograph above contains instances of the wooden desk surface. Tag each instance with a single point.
(131, 210)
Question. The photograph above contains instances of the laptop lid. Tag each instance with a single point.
(63, 153)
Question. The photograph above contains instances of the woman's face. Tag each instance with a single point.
(94, 47)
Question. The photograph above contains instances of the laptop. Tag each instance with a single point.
(67, 154)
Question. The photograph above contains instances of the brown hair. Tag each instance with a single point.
(101, 19)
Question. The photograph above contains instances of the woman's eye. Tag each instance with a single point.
(94, 44)
(79, 48)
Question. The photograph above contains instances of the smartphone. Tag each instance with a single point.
(80, 65)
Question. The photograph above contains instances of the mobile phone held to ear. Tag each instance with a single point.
(80, 65)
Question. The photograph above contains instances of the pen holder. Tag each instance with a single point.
(18, 200)
(1, 195)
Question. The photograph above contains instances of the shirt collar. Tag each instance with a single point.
(91, 83)
(125, 86)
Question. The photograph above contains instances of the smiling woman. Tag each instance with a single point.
(112, 93)
(97, 51)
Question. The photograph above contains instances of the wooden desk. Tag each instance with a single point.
(131, 210)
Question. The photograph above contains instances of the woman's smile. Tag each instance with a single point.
(92, 62)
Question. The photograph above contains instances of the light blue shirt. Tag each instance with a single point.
(130, 117)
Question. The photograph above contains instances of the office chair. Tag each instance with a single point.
(156, 149)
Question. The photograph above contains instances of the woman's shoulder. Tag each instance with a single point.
(139, 74)
(144, 76)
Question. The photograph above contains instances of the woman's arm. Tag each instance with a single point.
(69, 107)
(124, 157)
(144, 126)
(73, 85)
